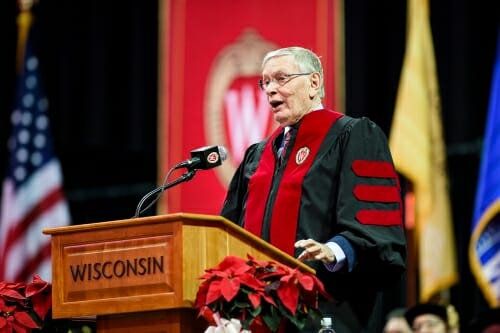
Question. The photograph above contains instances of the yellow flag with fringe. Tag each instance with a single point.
(417, 144)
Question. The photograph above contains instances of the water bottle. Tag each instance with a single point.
(326, 326)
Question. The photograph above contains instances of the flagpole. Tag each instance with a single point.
(412, 258)
(24, 20)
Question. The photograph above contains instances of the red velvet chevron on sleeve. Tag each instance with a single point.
(377, 193)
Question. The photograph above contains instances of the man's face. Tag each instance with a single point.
(289, 96)
(429, 323)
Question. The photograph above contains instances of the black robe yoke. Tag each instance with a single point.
(349, 194)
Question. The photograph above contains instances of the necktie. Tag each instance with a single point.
(284, 144)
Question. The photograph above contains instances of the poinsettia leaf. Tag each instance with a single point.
(289, 296)
(251, 282)
(285, 270)
(12, 294)
(229, 288)
(24, 319)
(307, 282)
(254, 299)
(227, 265)
(3, 323)
(255, 262)
(213, 292)
(272, 319)
(238, 305)
(230, 263)
(255, 312)
(242, 268)
(269, 299)
(208, 314)
(8, 327)
(17, 328)
(201, 295)
(41, 303)
(4, 307)
(37, 286)
(3, 286)
(17, 285)
(257, 324)
(270, 275)
(298, 321)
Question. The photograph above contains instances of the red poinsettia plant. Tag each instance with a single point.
(23, 306)
(259, 293)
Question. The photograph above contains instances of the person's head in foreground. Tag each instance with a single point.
(395, 322)
(432, 318)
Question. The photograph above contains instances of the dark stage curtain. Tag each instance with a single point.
(99, 66)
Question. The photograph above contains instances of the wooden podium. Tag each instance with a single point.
(141, 274)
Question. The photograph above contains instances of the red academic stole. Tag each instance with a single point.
(285, 211)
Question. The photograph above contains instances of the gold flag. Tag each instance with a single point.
(417, 145)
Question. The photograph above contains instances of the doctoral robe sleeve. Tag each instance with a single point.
(369, 212)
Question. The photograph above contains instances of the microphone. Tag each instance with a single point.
(204, 158)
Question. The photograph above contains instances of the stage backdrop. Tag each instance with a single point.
(210, 57)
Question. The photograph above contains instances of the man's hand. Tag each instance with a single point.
(315, 251)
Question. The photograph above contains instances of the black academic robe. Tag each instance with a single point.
(336, 183)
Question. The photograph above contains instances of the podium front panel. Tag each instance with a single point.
(118, 269)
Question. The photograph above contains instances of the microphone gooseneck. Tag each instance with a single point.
(203, 158)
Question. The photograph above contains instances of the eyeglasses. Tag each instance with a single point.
(281, 79)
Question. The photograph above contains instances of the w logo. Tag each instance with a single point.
(237, 113)
(247, 114)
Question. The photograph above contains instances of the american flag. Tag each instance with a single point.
(32, 196)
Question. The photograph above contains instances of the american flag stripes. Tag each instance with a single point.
(32, 196)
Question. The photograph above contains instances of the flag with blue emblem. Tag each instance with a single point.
(32, 195)
(484, 251)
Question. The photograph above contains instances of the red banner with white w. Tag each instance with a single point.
(210, 58)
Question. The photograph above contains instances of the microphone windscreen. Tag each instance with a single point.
(222, 153)
(207, 157)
